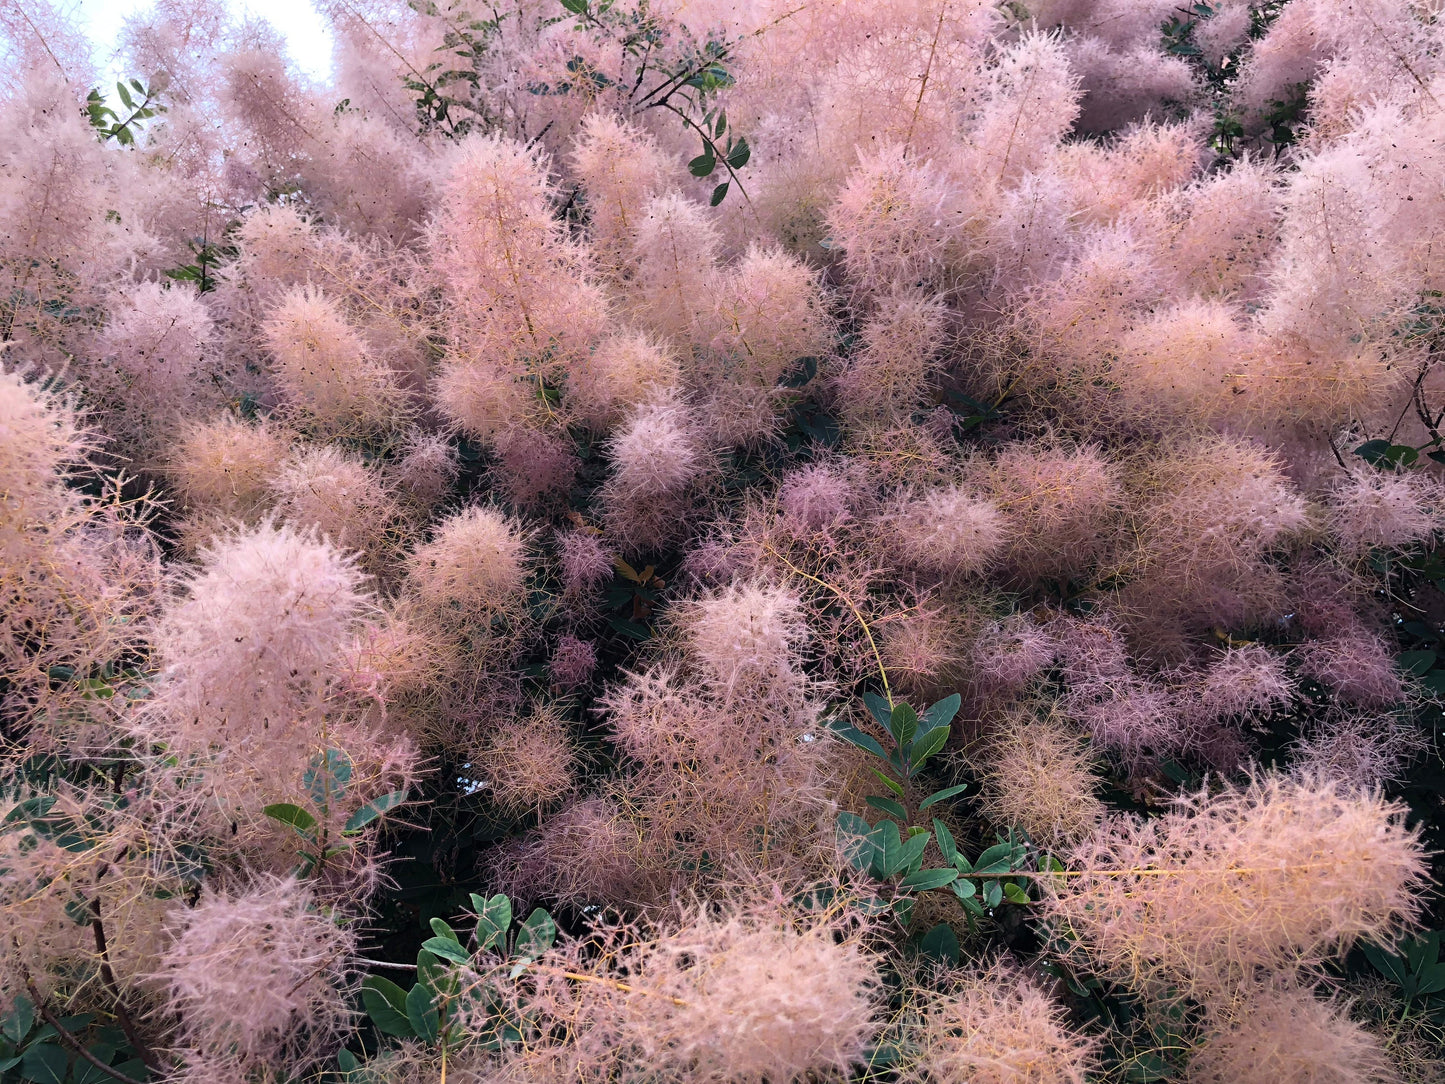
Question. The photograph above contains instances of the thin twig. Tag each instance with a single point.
(1339, 458)
(708, 144)
(877, 658)
(622, 986)
(923, 85)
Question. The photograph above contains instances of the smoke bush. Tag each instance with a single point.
(1060, 506)
(77, 580)
(886, 378)
(475, 566)
(1210, 518)
(1037, 776)
(744, 633)
(625, 370)
(949, 532)
(815, 497)
(573, 662)
(530, 764)
(514, 279)
(743, 994)
(1385, 510)
(222, 468)
(600, 399)
(251, 974)
(995, 1026)
(1290, 1034)
(892, 220)
(251, 641)
(157, 352)
(325, 490)
(1291, 869)
(586, 564)
(328, 381)
(621, 167)
(675, 249)
(762, 999)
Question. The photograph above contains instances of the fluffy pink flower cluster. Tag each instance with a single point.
(441, 421)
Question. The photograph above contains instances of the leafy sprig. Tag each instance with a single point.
(326, 781)
(109, 124)
(892, 850)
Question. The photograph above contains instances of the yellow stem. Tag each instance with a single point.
(877, 658)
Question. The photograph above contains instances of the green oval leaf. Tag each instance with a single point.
(888, 805)
(880, 709)
(853, 736)
(940, 943)
(946, 842)
(902, 723)
(926, 880)
(294, 815)
(385, 1003)
(997, 859)
(1415, 662)
(1014, 894)
(494, 919)
(926, 746)
(537, 935)
(441, 929)
(903, 908)
(19, 1020)
(992, 894)
(896, 788)
(373, 809)
(421, 1013)
(446, 949)
(964, 889)
(436, 975)
(44, 1063)
(942, 713)
(904, 854)
(855, 837)
(327, 776)
(941, 795)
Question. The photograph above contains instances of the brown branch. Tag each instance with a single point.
(1422, 410)
(127, 1025)
(708, 144)
(1419, 380)
(70, 1040)
(923, 85)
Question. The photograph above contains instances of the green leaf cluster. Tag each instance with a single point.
(109, 124)
(430, 1010)
(1414, 966)
(326, 781)
(34, 1051)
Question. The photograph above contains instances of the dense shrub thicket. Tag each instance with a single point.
(786, 541)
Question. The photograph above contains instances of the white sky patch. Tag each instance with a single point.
(308, 38)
